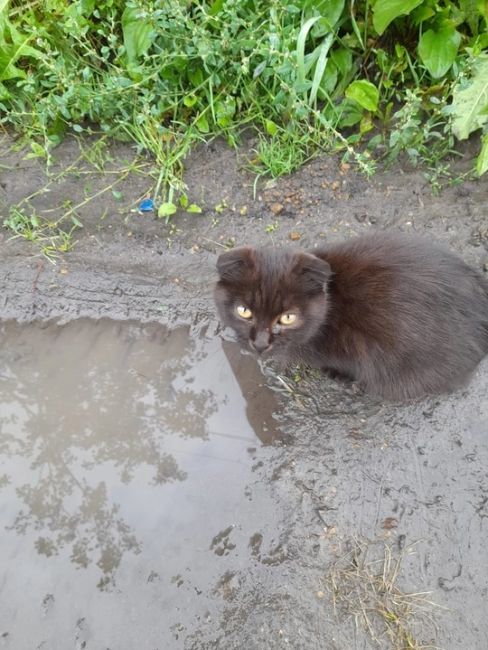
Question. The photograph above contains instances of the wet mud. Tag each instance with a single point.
(160, 490)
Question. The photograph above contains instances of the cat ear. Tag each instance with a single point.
(232, 264)
(313, 272)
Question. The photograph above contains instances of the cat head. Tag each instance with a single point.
(272, 298)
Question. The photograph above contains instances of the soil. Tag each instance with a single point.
(248, 563)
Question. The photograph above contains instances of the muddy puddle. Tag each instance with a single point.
(129, 466)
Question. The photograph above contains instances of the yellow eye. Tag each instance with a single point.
(287, 319)
(244, 312)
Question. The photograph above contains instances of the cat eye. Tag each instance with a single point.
(244, 312)
(287, 319)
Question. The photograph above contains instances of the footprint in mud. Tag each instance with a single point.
(81, 634)
(47, 604)
(255, 545)
(220, 544)
(276, 556)
(228, 585)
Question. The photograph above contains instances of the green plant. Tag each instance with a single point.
(310, 76)
(50, 236)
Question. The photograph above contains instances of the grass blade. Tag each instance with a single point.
(302, 37)
(320, 67)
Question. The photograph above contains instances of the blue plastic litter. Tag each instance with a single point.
(147, 205)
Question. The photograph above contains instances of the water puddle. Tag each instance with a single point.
(129, 475)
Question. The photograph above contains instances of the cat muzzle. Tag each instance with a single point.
(261, 343)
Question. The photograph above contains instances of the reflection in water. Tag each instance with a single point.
(90, 407)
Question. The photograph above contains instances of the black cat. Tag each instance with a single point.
(401, 316)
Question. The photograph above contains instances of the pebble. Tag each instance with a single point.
(276, 208)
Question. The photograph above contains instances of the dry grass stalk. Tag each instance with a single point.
(366, 589)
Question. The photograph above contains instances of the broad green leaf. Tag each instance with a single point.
(364, 93)
(342, 59)
(438, 50)
(366, 124)
(138, 33)
(215, 7)
(190, 100)
(384, 11)
(471, 14)
(271, 127)
(38, 151)
(166, 209)
(7, 69)
(224, 111)
(195, 76)
(422, 13)
(329, 81)
(11, 51)
(184, 201)
(330, 11)
(202, 124)
(194, 208)
(349, 113)
(482, 160)
(4, 93)
(483, 8)
(470, 103)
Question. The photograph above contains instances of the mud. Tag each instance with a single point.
(128, 519)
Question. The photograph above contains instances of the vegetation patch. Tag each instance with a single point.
(369, 78)
(364, 585)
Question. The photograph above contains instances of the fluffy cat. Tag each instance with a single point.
(401, 316)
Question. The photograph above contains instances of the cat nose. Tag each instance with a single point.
(261, 342)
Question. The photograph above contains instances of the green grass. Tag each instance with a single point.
(368, 78)
(51, 237)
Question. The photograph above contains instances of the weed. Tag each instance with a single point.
(364, 586)
(49, 235)
(309, 76)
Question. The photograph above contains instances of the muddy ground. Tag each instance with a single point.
(274, 556)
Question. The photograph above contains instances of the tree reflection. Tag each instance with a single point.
(86, 405)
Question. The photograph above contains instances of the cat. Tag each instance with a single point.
(399, 315)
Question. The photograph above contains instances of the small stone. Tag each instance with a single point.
(335, 185)
(320, 594)
(295, 236)
(276, 208)
(345, 167)
(389, 523)
(485, 267)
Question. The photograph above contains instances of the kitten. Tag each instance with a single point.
(401, 316)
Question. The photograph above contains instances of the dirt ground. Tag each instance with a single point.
(407, 482)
